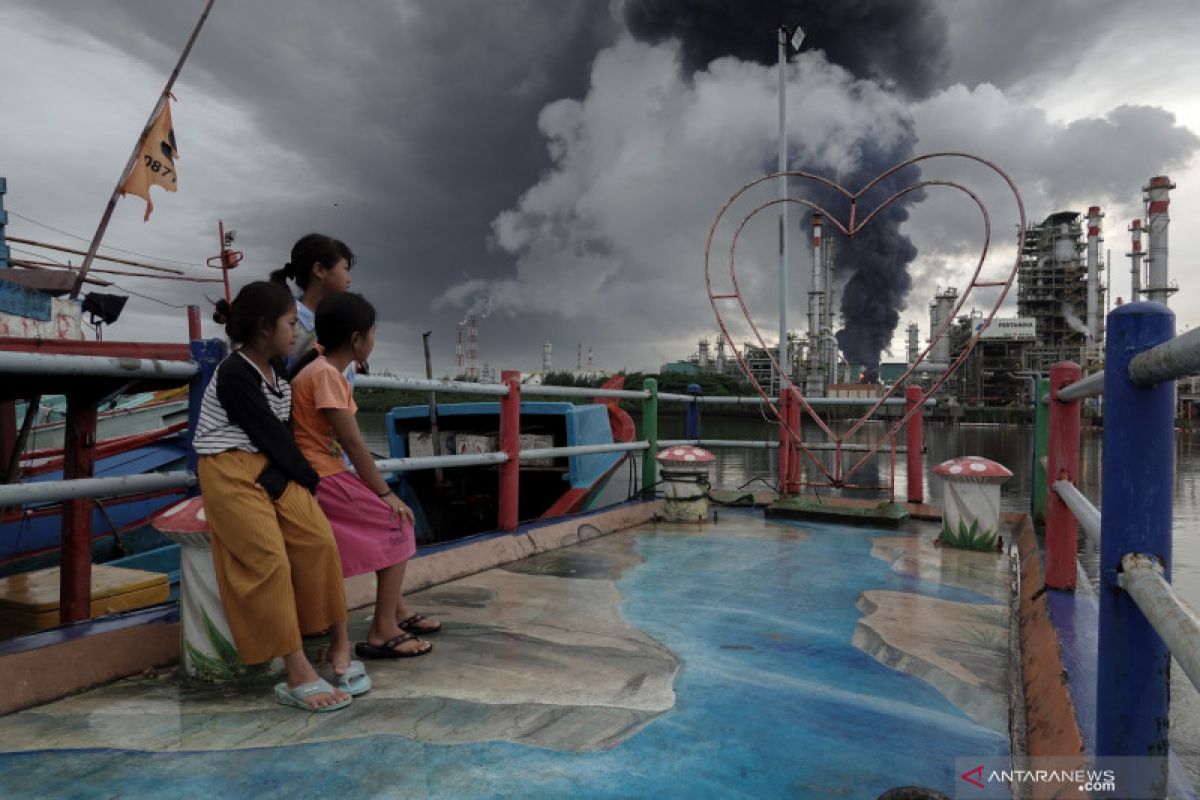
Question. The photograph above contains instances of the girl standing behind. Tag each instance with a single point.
(320, 266)
(276, 560)
(373, 527)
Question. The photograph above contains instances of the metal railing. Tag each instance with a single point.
(1143, 622)
(206, 356)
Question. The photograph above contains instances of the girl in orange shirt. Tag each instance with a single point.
(373, 527)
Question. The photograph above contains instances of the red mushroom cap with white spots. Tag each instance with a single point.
(973, 469)
(685, 454)
(186, 516)
(184, 522)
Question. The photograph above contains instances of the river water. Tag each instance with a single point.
(1010, 445)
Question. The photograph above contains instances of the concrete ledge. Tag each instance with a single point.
(57, 670)
(472, 557)
(48, 673)
(1052, 726)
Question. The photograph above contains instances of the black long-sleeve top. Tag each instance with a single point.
(243, 410)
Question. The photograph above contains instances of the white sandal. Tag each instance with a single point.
(295, 696)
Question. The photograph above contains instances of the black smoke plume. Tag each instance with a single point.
(900, 45)
(896, 43)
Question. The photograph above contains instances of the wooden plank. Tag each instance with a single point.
(44, 279)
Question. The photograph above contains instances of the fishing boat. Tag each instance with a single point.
(125, 416)
(30, 534)
(464, 502)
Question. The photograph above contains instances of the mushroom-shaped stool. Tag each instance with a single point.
(971, 501)
(684, 471)
(207, 650)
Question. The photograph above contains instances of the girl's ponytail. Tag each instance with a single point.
(283, 275)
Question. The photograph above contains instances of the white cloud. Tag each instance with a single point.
(643, 163)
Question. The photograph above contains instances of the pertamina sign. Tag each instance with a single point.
(1010, 328)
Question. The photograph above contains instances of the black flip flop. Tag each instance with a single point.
(388, 650)
(410, 625)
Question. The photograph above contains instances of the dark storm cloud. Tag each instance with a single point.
(895, 43)
(899, 43)
(418, 120)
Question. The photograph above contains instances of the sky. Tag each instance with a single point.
(555, 166)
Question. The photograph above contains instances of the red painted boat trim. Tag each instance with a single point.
(156, 350)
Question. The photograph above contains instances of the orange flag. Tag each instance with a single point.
(156, 161)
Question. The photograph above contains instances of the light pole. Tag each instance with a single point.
(792, 39)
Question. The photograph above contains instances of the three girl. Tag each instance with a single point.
(276, 560)
(372, 526)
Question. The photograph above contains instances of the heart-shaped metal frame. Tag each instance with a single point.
(850, 229)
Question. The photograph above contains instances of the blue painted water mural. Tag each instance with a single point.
(772, 700)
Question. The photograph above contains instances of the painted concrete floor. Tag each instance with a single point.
(744, 659)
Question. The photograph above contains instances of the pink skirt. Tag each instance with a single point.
(369, 535)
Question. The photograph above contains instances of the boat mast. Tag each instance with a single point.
(137, 147)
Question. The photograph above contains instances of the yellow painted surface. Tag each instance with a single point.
(30, 602)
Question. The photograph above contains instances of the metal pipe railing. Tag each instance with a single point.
(756, 443)
(770, 445)
(1085, 513)
(20, 494)
(1173, 359)
(439, 462)
(584, 450)
(425, 385)
(1173, 620)
(14, 363)
(500, 390)
(1091, 386)
(582, 391)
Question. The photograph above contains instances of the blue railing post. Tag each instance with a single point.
(693, 412)
(1134, 676)
(650, 434)
(3, 222)
(207, 353)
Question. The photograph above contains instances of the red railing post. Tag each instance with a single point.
(914, 440)
(194, 330)
(510, 443)
(785, 441)
(794, 457)
(1062, 463)
(79, 458)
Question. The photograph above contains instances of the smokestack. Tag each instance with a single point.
(547, 352)
(1158, 199)
(579, 356)
(939, 311)
(830, 341)
(813, 383)
(472, 349)
(1135, 260)
(914, 334)
(703, 357)
(721, 354)
(589, 358)
(458, 350)
(1093, 266)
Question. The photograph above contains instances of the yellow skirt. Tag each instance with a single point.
(276, 561)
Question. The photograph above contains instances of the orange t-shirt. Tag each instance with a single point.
(320, 386)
